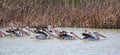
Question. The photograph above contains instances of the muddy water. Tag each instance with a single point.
(28, 46)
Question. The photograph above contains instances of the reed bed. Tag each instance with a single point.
(60, 13)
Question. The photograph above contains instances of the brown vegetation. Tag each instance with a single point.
(62, 13)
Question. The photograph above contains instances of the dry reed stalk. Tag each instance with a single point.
(64, 13)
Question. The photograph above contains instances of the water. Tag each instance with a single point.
(28, 46)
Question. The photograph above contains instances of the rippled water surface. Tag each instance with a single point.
(28, 46)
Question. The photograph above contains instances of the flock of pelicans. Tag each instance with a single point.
(48, 33)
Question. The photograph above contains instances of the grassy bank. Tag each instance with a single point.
(63, 13)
